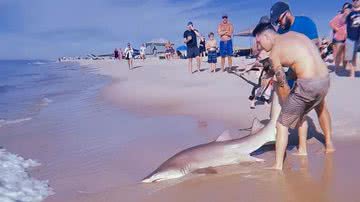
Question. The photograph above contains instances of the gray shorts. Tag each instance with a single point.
(305, 96)
(351, 49)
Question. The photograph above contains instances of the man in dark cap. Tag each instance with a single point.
(190, 39)
(281, 16)
(299, 53)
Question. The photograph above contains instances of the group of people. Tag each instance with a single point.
(345, 26)
(225, 31)
(128, 54)
(292, 42)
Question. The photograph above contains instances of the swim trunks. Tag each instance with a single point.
(192, 52)
(306, 95)
(212, 57)
(226, 48)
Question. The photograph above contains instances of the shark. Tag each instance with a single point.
(221, 152)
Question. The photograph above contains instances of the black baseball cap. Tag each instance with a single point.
(264, 23)
(189, 23)
(347, 6)
(224, 16)
(277, 9)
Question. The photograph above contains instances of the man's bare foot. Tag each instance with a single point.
(329, 148)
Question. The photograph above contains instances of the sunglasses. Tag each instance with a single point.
(355, 0)
(282, 17)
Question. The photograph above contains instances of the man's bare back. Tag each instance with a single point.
(296, 51)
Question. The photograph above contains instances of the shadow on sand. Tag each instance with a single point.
(135, 67)
(342, 72)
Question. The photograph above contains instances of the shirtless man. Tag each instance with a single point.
(225, 31)
(298, 52)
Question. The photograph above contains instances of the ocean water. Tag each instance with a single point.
(54, 114)
(27, 88)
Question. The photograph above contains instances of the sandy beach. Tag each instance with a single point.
(97, 145)
(164, 87)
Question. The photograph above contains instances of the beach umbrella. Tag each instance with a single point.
(181, 48)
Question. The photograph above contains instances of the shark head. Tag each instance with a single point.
(162, 174)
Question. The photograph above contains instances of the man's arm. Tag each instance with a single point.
(280, 76)
(197, 32)
(231, 31)
(220, 31)
(187, 38)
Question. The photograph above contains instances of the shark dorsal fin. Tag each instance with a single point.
(256, 126)
(225, 136)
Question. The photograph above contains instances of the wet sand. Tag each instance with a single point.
(97, 147)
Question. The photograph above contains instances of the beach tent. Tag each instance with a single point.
(182, 49)
(159, 45)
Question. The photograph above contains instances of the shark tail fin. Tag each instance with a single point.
(256, 126)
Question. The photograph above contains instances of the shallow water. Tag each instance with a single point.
(85, 144)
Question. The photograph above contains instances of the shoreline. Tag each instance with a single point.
(191, 95)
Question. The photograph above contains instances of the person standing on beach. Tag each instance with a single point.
(190, 39)
(352, 44)
(338, 25)
(312, 83)
(129, 55)
(120, 54)
(116, 54)
(225, 31)
(202, 45)
(280, 15)
(142, 52)
(211, 47)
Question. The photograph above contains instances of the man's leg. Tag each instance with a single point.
(303, 131)
(222, 63)
(354, 64)
(230, 61)
(198, 62)
(325, 124)
(190, 65)
(129, 64)
(281, 144)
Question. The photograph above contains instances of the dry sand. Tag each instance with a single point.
(165, 87)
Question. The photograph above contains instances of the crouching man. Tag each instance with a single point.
(296, 51)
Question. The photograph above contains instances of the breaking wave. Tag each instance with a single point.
(16, 185)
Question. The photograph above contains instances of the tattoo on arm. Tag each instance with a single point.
(280, 77)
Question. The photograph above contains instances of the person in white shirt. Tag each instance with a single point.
(142, 52)
(129, 55)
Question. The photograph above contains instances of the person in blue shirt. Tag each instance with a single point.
(281, 16)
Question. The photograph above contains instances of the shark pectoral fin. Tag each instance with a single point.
(225, 136)
(208, 170)
(256, 126)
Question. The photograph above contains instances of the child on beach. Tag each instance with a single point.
(129, 55)
(211, 47)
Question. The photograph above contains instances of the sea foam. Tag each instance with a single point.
(16, 185)
(4, 122)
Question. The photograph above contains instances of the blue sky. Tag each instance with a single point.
(47, 29)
